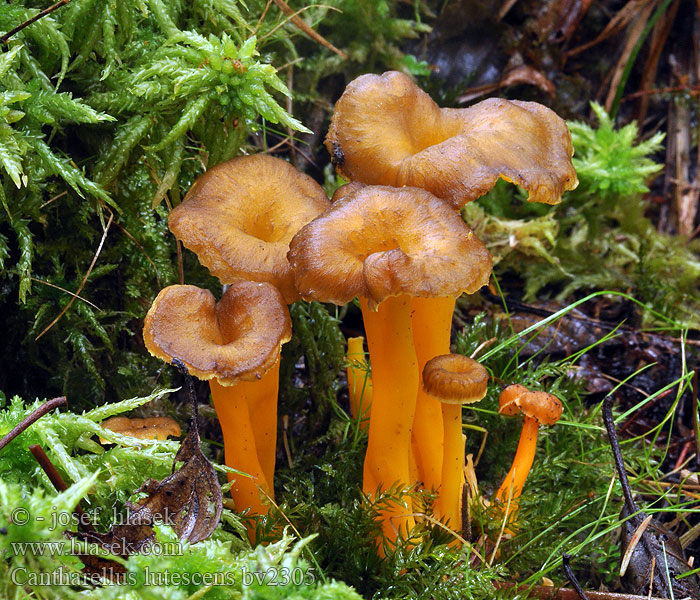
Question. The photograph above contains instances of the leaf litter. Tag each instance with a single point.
(189, 500)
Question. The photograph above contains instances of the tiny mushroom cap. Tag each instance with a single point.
(236, 339)
(379, 241)
(542, 406)
(455, 379)
(346, 190)
(159, 428)
(387, 131)
(240, 216)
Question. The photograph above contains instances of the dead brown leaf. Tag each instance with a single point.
(189, 500)
(529, 75)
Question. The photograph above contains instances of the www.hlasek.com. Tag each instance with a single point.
(273, 576)
(118, 546)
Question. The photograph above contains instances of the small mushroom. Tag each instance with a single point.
(149, 428)
(359, 381)
(387, 246)
(454, 379)
(539, 408)
(235, 345)
(390, 132)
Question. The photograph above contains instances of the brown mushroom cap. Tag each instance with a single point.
(379, 241)
(544, 407)
(387, 131)
(455, 379)
(159, 428)
(238, 338)
(240, 216)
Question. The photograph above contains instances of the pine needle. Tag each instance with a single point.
(294, 17)
(82, 283)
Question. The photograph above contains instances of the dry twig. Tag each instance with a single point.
(299, 22)
(34, 19)
(46, 407)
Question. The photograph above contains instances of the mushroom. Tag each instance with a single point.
(387, 131)
(539, 408)
(239, 218)
(387, 245)
(454, 379)
(149, 428)
(235, 345)
(359, 382)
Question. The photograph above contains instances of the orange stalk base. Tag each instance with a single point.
(514, 481)
(240, 451)
(449, 503)
(395, 383)
(262, 407)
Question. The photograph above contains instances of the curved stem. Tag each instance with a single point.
(514, 481)
(360, 387)
(240, 453)
(449, 504)
(432, 323)
(262, 408)
(395, 382)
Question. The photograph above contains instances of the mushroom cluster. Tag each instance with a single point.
(392, 237)
(389, 246)
(408, 259)
(238, 218)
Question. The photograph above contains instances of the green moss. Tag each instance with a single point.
(112, 108)
(600, 236)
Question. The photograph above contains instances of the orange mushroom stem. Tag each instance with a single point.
(454, 379)
(395, 383)
(539, 408)
(256, 400)
(262, 408)
(514, 481)
(360, 388)
(234, 407)
(432, 323)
